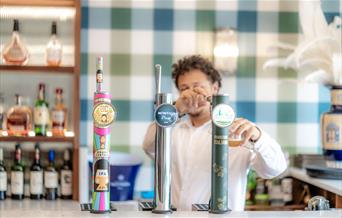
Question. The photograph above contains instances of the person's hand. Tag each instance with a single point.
(245, 129)
(190, 100)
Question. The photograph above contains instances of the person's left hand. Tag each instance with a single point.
(245, 129)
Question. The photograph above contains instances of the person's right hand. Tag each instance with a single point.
(190, 100)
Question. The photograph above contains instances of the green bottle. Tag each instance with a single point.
(36, 176)
(17, 175)
(251, 186)
(3, 177)
(51, 178)
(41, 113)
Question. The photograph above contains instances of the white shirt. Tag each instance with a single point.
(191, 164)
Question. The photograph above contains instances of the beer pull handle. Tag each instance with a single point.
(157, 71)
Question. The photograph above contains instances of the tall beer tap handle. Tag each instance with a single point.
(158, 69)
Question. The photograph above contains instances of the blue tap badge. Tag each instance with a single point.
(166, 115)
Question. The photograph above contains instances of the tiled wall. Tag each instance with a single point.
(133, 36)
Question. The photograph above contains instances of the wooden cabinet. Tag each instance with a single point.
(71, 68)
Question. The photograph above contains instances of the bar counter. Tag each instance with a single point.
(334, 186)
(63, 208)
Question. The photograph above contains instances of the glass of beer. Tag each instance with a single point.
(235, 140)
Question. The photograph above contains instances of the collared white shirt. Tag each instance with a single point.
(191, 164)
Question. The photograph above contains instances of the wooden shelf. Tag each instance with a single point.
(35, 69)
(271, 207)
(74, 71)
(51, 3)
(36, 139)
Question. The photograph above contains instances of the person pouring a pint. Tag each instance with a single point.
(197, 80)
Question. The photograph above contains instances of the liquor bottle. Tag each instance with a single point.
(2, 111)
(276, 195)
(251, 186)
(41, 113)
(66, 177)
(19, 118)
(54, 48)
(261, 193)
(51, 178)
(59, 115)
(15, 53)
(17, 175)
(331, 126)
(3, 177)
(36, 176)
(286, 186)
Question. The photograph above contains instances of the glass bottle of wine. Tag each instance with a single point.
(3, 177)
(17, 175)
(36, 176)
(51, 178)
(15, 53)
(41, 113)
(66, 177)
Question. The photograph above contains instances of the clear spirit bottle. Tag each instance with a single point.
(54, 48)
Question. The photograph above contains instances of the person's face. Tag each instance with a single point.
(197, 79)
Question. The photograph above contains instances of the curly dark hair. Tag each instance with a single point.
(195, 62)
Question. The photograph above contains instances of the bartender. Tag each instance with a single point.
(196, 79)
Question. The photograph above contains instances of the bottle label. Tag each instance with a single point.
(286, 185)
(66, 182)
(336, 97)
(17, 182)
(101, 179)
(332, 131)
(58, 117)
(36, 182)
(41, 115)
(51, 179)
(17, 128)
(3, 181)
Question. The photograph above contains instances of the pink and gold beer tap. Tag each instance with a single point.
(103, 115)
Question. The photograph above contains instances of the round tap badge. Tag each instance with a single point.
(166, 115)
(104, 114)
(223, 115)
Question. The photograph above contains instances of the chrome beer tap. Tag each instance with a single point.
(165, 117)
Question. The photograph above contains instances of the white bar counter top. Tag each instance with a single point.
(334, 186)
(67, 208)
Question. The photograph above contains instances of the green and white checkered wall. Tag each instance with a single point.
(135, 35)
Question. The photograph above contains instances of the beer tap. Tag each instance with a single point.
(222, 117)
(165, 116)
(104, 115)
